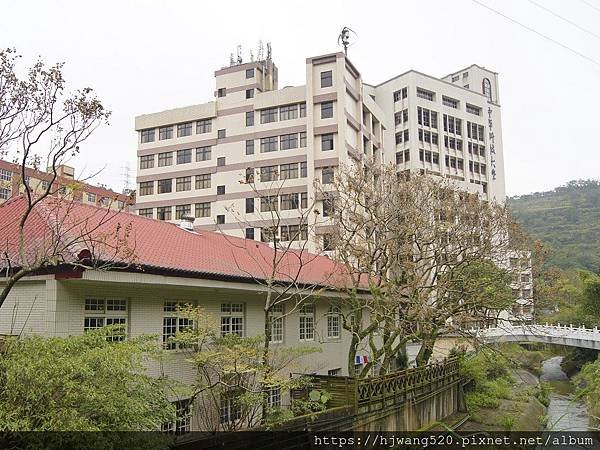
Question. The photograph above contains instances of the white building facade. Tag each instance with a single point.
(198, 160)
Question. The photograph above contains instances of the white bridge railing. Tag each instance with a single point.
(574, 336)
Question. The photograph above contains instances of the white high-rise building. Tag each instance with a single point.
(196, 160)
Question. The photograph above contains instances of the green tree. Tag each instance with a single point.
(80, 383)
(231, 372)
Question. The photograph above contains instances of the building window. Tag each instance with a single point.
(249, 175)
(202, 209)
(183, 184)
(269, 173)
(165, 159)
(268, 203)
(250, 147)
(165, 132)
(146, 188)
(326, 79)
(146, 162)
(221, 190)
(334, 372)
(145, 212)
(249, 118)
(268, 234)
(288, 112)
(326, 142)
(182, 210)
(184, 129)
(165, 186)
(249, 93)
(289, 141)
(230, 407)
(91, 197)
(486, 87)
(203, 126)
(221, 92)
(220, 219)
(203, 181)
(425, 94)
(302, 109)
(268, 144)
(288, 171)
(326, 110)
(249, 205)
(276, 319)
(302, 139)
(327, 244)
(327, 175)
(220, 161)
(450, 102)
(268, 115)
(250, 233)
(203, 154)
(221, 134)
(163, 213)
(473, 109)
(328, 207)
(294, 232)
(147, 135)
(184, 156)
(182, 423)
(333, 323)
(303, 169)
(307, 322)
(232, 319)
(172, 324)
(289, 201)
(274, 398)
(401, 94)
(249, 73)
(106, 312)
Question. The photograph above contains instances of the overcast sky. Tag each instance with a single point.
(147, 56)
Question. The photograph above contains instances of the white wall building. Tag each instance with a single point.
(195, 160)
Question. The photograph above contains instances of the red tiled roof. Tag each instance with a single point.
(157, 245)
(40, 175)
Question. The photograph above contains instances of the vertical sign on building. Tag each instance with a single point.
(492, 144)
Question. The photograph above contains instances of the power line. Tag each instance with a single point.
(590, 5)
(566, 47)
(576, 25)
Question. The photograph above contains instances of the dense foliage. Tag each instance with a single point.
(567, 219)
(82, 383)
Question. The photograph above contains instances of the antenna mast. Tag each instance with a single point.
(344, 38)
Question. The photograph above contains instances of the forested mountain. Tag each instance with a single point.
(567, 219)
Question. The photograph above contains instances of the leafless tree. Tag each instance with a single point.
(287, 219)
(425, 248)
(41, 124)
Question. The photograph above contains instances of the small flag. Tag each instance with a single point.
(365, 359)
(357, 360)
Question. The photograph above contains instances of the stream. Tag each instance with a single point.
(564, 412)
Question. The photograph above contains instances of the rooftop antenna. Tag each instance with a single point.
(269, 51)
(251, 56)
(261, 51)
(344, 38)
(231, 60)
(239, 54)
(126, 178)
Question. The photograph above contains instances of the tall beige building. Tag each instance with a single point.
(196, 160)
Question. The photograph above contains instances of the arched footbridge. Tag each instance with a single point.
(569, 335)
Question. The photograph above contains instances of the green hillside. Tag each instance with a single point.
(567, 219)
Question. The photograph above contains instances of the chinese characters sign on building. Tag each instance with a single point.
(492, 143)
